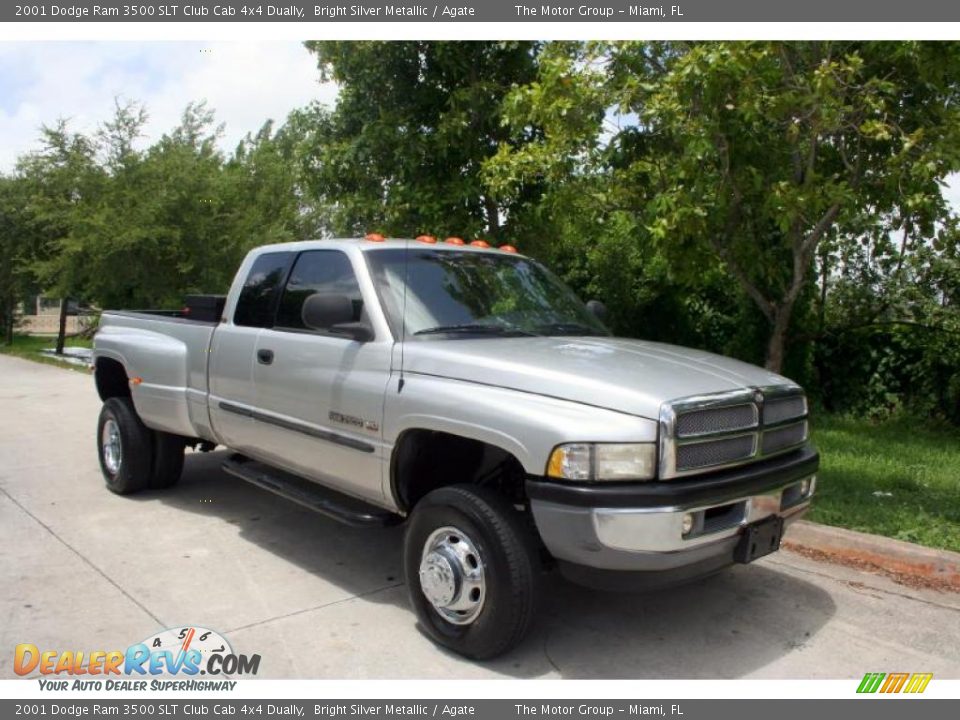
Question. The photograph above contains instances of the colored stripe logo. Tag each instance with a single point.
(894, 682)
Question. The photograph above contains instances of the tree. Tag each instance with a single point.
(752, 153)
(414, 123)
(265, 177)
(14, 261)
(105, 220)
(889, 332)
(56, 182)
(160, 224)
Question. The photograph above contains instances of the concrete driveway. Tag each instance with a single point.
(81, 568)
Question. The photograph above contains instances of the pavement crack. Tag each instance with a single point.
(312, 609)
(82, 557)
(546, 653)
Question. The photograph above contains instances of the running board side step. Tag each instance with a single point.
(331, 503)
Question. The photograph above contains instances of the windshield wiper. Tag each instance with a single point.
(468, 328)
(569, 328)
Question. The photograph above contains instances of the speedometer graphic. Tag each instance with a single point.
(187, 649)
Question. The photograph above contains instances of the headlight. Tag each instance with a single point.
(603, 461)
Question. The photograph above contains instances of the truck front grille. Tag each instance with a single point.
(777, 410)
(714, 431)
(716, 452)
(722, 419)
(784, 437)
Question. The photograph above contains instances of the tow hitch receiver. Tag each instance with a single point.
(759, 539)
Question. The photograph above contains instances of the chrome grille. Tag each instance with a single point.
(776, 410)
(713, 420)
(715, 452)
(784, 437)
(731, 428)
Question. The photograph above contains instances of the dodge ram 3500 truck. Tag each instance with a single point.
(465, 391)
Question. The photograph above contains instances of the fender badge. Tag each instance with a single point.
(354, 421)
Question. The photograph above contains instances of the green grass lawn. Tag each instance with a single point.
(29, 347)
(899, 478)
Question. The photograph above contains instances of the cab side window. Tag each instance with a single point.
(261, 291)
(318, 271)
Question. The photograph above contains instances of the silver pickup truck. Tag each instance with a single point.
(465, 391)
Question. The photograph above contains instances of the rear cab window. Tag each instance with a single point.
(260, 294)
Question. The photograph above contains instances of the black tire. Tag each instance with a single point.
(136, 447)
(510, 561)
(167, 467)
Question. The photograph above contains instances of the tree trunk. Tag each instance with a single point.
(62, 332)
(776, 346)
(8, 322)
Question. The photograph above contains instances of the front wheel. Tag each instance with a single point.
(472, 570)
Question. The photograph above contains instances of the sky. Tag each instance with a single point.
(244, 83)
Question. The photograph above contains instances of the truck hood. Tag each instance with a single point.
(629, 376)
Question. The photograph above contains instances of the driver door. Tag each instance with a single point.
(320, 394)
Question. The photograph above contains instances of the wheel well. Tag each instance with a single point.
(111, 379)
(424, 460)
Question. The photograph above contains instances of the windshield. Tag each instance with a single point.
(477, 294)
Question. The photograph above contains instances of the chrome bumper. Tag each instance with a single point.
(652, 539)
(662, 529)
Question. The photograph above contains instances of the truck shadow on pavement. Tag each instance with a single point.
(727, 626)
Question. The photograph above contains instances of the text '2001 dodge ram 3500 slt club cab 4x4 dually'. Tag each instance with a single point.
(467, 392)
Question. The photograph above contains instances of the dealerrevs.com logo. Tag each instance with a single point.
(170, 660)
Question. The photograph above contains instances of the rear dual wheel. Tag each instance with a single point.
(132, 456)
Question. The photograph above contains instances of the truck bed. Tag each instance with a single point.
(165, 355)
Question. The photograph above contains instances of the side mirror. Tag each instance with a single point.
(597, 309)
(333, 313)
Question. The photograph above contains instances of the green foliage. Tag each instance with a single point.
(118, 226)
(414, 122)
(751, 154)
(888, 329)
(54, 183)
(890, 324)
(15, 278)
(264, 179)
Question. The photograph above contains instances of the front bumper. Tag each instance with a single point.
(631, 534)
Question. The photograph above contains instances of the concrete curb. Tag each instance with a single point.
(904, 562)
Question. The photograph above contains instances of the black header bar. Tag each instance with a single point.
(616, 11)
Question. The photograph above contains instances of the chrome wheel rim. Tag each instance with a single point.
(452, 576)
(110, 445)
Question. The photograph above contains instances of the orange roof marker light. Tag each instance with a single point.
(429, 239)
(454, 241)
(508, 248)
(480, 244)
(374, 237)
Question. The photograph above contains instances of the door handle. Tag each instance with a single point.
(264, 357)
